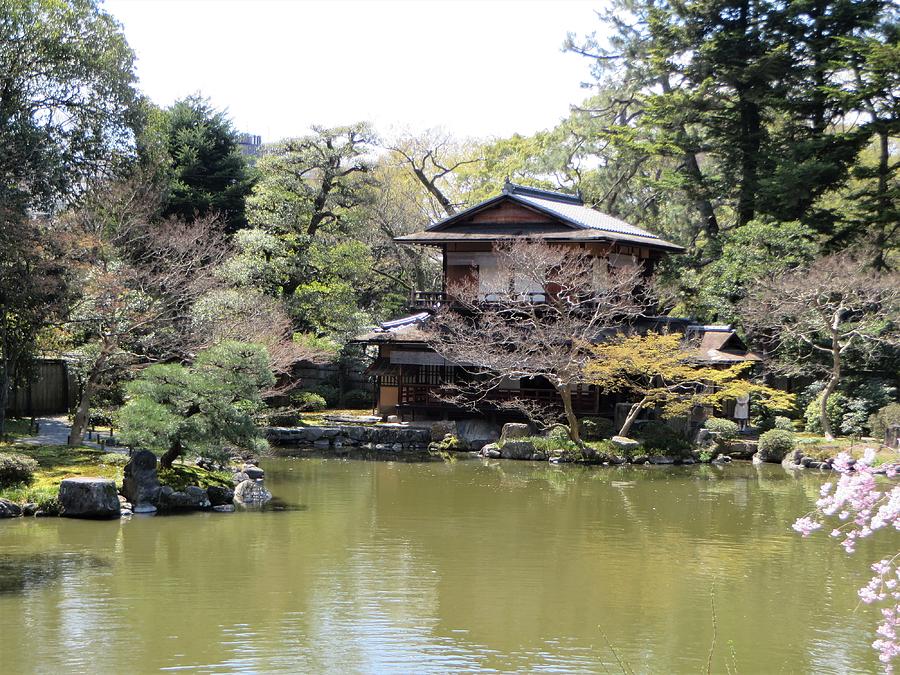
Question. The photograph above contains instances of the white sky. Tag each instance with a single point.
(278, 66)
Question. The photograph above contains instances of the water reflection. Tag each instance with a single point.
(24, 572)
(498, 566)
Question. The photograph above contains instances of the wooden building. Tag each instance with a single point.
(408, 373)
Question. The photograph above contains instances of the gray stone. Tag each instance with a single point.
(393, 419)
(239, 477)
(219, 496)
(661, 459)
(253, 472)
(476, 432)
(641, 459)
(722, 459)
(198, 496)
(126, 513)
(147, 508)
(175, 501)
(514, 430)
(224, 508)
(251, 493)
(140, 483)
(9, 509)
(517, 450)
(441, 429)
(88, 498)
(624, 443)
(322, 443)
(757, 458)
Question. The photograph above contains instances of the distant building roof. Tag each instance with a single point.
(578, 222)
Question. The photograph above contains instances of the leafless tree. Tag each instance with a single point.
(811, 317)
(535, 318)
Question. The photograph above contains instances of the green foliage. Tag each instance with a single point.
(114, 459)
(597, 428)
(884, 418)
(208, 172)
(15, 468)
(358, 399)
(332, 395)
(783, 423)
(776, 443)
(726, 430)
(450, 443)
(658, 436)
(308, 401)
(199, 409)
(181, 476)
(849, 410)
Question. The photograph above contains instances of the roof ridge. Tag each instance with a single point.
(510, 188)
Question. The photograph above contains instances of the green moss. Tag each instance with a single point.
(17, 427)
(182, 475)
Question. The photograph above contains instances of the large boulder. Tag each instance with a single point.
(219, 496)
(441, 429)
(251, 493)
(513, 431)
(253, 472)
(477, 433)
(627, 445)
(140, 483)
(517, 450)
(88, 498)
(9, 509)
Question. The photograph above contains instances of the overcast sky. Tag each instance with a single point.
(278, 66)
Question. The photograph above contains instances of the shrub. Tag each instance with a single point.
(726, 430)
(836, 405)
(358, 398)
(114, 459)
(850, 408)
(308, 401)
(102, 417)
(16, 469)
(597, 428)
(660, 436)
(783, 423)
(559, 432)
(331, 394)
(776, 443)
(280, 417)
(880, 421)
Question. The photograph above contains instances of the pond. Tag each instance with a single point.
(503, 566)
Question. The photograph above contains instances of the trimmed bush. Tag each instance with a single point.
(358, 398)
(597, 428)
(835, 409)
(559, 431)
(775, 444)
(331, 394)
(783, 423)
(16, 469)
(726, 430)
(308, 401)
(661, 437)
(880, 421)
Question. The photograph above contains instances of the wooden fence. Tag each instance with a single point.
(53, 390)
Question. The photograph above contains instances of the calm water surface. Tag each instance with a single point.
(500, 566)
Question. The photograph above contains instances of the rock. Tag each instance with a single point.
(514, 430)
(9, 509)
(198, 497)
(29, 509)
(627, 444)
(126, 513)
(219, 496)
(641, 459)
(722, 459)
(757, 458)
(393, 419)
(702, 436)
(224, 508)
(491, 450)
(660, 459)
(88, 498)
(477, 432)
(517, 449)
(441, 429)
(175, 501)
(251, 493)
(253, 472)
(140, 483)
(239, 477)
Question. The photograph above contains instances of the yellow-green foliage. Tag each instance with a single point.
(182, 475)
(664, 374)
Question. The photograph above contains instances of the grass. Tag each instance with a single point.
(17, 427)
(819, 448)
(182, 475)
(317, 419)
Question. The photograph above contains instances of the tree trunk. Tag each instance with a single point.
(4, 387)
(82, 414)
(829, 389)
(565, 393)
(632, 416)
(173, 453)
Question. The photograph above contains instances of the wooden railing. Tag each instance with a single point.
(434, 299)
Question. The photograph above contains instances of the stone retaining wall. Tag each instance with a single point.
(386, 437)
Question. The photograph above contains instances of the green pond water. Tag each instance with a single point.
(487, 566)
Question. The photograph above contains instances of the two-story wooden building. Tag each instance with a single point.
(408, 374)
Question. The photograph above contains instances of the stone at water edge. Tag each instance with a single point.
(625, 443)
(140, 482)
(517, 450)
(441, 429)
(9, 509)
(224, 508)
(239, 477)
(88, 498)
(514, 430)
(251, 493)
(253, 472)
(198, 496)
(219, 496)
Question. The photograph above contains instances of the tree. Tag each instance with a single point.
(664, 371)
(811, 316)
(138, 280)
(33, 293)
(509, 335)
(201, 408)
(209, 175)
(67, 100)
